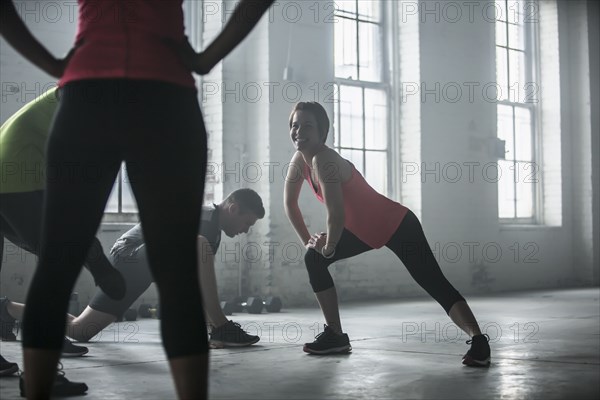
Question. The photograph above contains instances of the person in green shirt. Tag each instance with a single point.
(22, 180)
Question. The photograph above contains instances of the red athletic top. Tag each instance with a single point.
(126, 39)
(372, 217)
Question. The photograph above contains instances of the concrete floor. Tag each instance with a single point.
(545, 345)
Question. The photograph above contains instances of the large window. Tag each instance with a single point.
(361, 120)
(516, 27)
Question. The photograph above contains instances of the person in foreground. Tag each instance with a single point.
(234, 215)
(127, 94)
(358, 220)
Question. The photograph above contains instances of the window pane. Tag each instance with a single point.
(517, 76)
(523, 131)
(346, 55)
(515, 8)
(345, 7)
(377, 170)
(500, 33)
(525, 186)
(355, 157)
(112, 206)
(370, 63)
(369, 10)
(501, 73)
(500, 10)
(376, 120)
(128, 201)
(351, 117)
(505, 129)
(516, 36)
(506, 191)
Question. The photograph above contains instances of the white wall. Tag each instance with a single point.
(55, 27)
(577, 129)
(458, 215)
(594, 56)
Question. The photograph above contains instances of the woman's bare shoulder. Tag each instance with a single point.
(297, 163)
(331, 161)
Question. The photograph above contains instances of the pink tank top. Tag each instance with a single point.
(372, 217)
(126, 39)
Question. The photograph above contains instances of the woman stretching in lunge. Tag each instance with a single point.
(360, 219)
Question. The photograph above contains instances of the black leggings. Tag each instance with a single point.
(408, 243)
(21, 223)
(157, 129)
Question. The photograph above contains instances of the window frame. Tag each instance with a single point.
(532, 72)
(383, 85)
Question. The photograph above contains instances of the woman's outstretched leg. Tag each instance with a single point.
(410, 245)
(460, 313)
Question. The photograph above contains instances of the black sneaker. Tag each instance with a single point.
(329, 342)
(231, 334)
(62, 386)
(7, 368)
(71, 350)
(479, 353)
(7, 322)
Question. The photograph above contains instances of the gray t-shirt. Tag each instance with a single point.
(209, 228)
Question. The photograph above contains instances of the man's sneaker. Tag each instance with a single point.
(479, 353)
(7, 322)
(62, 386)
(231, 334)
(71, 350)
(7, 368)
(329, 342)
